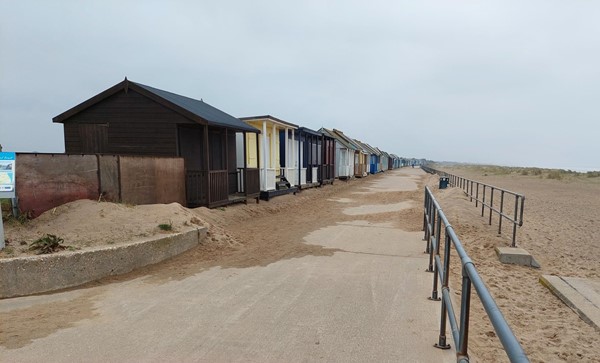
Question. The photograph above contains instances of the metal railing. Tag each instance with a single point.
(472, 189)
(433, 219)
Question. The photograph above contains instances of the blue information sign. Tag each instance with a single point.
(7, 174)
(7, 183)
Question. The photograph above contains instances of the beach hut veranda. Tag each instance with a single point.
(277, 148)
(316, 157)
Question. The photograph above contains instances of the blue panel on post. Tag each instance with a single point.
(444, 182)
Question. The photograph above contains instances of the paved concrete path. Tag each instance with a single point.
(580, 294)
(365, 304)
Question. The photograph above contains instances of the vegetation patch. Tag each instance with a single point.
(593, 174)
(166, 226)
(545, 173)
(555, 174)
(7, 215)
(47, 244)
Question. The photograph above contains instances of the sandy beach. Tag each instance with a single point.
(561, 217)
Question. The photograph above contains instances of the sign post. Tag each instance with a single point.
(7, 183)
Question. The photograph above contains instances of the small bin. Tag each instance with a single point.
(444, 182)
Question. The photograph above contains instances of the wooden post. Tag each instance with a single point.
(264, 142)
(293, 155)
(273, 151)
(285, 151)
(207, 164)
(225, 144)
(245, 170)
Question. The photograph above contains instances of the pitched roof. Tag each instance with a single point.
(270, 118)
(362, 146)
(338, 138)
(349, 140)
(375, 150)
(196, 110)
(310, 131)
(383, 152)
(369, 148)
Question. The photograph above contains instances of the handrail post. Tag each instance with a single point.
(431, 238)
(501, 211)
(465, 307)
(483, 201)
(471, 192)
(442, 344)
(425, 213)
(491, 206)
(438, 230)
(522, 206)
(514, 236)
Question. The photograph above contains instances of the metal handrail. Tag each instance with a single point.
(433, 218)
(468, 186)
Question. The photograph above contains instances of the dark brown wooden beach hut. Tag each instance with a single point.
(134, 119)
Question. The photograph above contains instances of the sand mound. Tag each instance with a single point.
(87, 223)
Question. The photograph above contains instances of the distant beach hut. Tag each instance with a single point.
(344, 155)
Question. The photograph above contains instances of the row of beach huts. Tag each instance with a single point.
(227, 159)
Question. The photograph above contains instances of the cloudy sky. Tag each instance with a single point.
(503, 82)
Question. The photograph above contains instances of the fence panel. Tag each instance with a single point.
(196, 188)
(484, 195)
(252, 181)
(45, 181)
(149, 180)
(218, 188)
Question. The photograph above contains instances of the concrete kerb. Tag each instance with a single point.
(517, 256)
(37, 274)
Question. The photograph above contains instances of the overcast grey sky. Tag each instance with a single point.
(503, 82)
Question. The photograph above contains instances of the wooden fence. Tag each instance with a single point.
(45, 181)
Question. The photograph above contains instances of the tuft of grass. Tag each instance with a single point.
(166, 226)
(47, 244)
(7, 216)
(593, 174)
(555, 174)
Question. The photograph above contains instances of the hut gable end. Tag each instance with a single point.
(123, 123)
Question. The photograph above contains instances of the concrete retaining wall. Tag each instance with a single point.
(36, 274)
